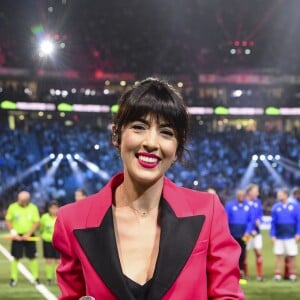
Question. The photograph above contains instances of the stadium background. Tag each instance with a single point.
(236, 63)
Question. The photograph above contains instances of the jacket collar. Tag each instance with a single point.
(99, 243)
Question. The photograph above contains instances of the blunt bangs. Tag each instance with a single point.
(159, 100)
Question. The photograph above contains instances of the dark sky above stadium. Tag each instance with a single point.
(161, 36)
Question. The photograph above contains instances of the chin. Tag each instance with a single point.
(147, 179)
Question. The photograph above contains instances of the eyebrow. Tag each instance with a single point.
(148, 123)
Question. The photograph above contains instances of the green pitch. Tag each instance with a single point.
(267, 290)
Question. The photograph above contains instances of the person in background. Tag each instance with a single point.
(240, 225)
(46, 229)
(285, 233)
(293, 198)
(80, 194)
(256, 242)
(22, 220)
(295, 195)
(211, 190)
(142, 236)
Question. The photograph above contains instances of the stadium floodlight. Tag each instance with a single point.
(237, 93)
(69, 156)
(46, 48)
(262, 157)
(60, 156)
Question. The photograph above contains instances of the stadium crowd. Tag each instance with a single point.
(214, 159)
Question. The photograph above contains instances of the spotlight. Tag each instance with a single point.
(68, 156)
(60, 156)
(46, 48)
(270, 157)
(237, 93)
(195, 183)
(76, 156)
(96, 147)
(255, 157)
(52, 155)
(277, 157)
(232, 51)
(64, 93)
(262, 157)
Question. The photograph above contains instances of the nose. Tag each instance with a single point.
(150, 142)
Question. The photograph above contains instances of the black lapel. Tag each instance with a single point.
(177, 241)
(100, 247)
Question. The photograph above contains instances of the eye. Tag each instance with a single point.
(168, 132)
(138, 126)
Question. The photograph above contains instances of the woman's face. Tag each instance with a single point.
(148, 148)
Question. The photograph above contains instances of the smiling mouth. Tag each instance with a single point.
(147, 161)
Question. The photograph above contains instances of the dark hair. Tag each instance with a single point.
(82, 191)
(159, 99)
(52, 203)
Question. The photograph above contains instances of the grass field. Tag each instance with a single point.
(267, 290)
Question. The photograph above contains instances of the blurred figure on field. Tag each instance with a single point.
(240, 225)
(211, 191)
(295, 195)
(293, 198)
(46, 228)
(80, 194)
(256, 243)
(285, 233)
(22, 220)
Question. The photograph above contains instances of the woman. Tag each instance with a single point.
(141, 236)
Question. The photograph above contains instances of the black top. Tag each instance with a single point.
(139, 292)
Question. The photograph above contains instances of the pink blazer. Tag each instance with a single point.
(198, 258)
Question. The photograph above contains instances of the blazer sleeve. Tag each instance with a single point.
(69, 273)
(222, 259)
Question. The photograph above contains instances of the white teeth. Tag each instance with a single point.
(148, 159)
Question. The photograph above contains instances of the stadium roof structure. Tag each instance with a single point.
(150, 37)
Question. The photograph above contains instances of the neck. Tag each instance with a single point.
(137, 196)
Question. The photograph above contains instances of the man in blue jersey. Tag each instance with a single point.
(240, 224)
(256, 243)
(285, 233)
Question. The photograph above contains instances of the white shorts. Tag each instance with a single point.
(287, 247)
(255, 243)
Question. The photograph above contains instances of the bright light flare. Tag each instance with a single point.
(46, 48)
